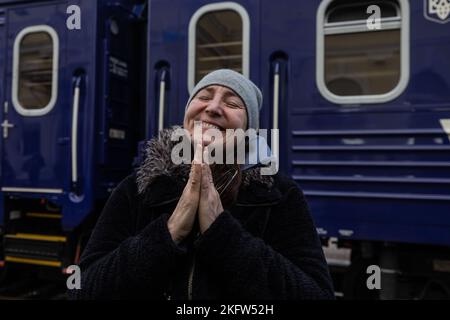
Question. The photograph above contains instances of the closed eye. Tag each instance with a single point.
(234, 105)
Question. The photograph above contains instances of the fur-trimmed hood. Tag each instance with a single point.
(157, 164)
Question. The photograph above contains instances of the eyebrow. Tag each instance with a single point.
(227, 93)
(208, 90)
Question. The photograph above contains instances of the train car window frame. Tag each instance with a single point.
(220, 6)
(387, 24)
(16, 62)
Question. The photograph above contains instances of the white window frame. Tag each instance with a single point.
(404, 58)
(15, 77)
(397, 9)
(193, 37)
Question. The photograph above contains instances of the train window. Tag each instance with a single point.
(356, 64)
(35, 69)
(218, 38)
(339, 11)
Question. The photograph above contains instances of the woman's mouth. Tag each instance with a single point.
(208, 125)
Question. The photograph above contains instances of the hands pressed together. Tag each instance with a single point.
(199, 197)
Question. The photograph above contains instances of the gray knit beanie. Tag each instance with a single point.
(243, 87)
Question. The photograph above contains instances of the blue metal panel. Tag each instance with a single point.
(110, 89)
(370, 172)
(2, 90)
(33, 155)
(14, 2)
(48, 137)
(81, 61)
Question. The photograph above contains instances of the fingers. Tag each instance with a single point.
(196, 173)
(207, 180)
(208, 169)
(198, 154)
(183, 217)
(195, 177)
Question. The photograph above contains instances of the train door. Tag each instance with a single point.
(119, 108)
(35, 124)
(2, 70)
(2, 94)
(191, 39)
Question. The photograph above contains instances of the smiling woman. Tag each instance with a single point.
(168, 232)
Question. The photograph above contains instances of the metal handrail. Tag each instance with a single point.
(162, 93)
(74, 139)
(276, 105)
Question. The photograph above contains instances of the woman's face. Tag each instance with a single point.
(216, 107)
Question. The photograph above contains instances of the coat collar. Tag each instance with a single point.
(160, 181)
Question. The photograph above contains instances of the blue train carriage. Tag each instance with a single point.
(362, 102)
(71, 98)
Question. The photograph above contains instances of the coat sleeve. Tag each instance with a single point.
(288, 264)
(120, 264)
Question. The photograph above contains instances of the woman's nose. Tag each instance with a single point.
(214, 107)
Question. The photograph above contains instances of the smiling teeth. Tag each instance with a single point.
(209, 125)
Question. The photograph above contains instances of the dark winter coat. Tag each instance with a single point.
(264, 247)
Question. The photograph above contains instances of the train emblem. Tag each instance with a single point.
(437, 10)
